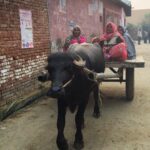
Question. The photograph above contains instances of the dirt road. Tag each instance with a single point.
(123, 125)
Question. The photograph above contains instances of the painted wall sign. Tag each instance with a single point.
(26, 28)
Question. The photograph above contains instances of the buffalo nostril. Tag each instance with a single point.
(56, 89)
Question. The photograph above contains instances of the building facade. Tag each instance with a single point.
(90, 15)
(29, 28)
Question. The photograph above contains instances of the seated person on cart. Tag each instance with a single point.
(113, 44)
(129, 42)
(76, 37)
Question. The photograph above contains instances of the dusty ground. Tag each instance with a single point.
(123, 126)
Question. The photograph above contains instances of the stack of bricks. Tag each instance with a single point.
(19, 66)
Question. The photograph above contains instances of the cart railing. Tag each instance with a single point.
(135, 63)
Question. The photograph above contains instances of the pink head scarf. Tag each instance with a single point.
(107, 36)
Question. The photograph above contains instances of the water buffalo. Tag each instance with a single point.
(71, 84)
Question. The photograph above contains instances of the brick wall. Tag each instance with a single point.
(19, 67)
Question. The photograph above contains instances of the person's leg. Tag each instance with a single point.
(138, 40)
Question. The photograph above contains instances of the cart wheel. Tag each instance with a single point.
(129, 84)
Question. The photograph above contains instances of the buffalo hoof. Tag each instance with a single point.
(96, 114)
(63, 145)
(78, 145)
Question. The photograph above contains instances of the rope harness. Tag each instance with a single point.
(68, 82)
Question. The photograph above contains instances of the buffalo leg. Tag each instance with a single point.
(97, 104)
(79, 119)
(61, 141)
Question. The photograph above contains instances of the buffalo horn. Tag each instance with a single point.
(80, 62)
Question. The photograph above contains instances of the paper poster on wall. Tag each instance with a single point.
(26, 28)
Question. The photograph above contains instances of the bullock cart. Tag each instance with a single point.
(124, 72)
(120, 72)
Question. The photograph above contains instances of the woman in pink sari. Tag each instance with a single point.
(113, 44)
(76, 37)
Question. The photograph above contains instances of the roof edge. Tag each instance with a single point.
(126, 4)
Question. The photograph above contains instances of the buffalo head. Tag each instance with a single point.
(62, 68)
